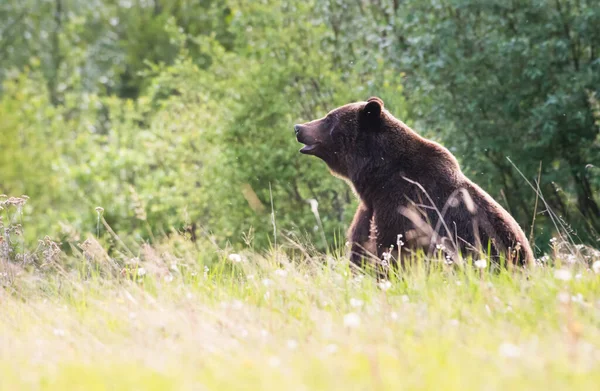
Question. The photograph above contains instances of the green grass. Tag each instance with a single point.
(271, 322)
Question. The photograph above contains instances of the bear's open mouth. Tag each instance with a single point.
(308, 148)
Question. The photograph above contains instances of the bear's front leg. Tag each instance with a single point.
(359, 235)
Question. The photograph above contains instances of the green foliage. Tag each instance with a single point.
(510, 79)
(178, 115)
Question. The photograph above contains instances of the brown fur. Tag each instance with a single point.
(405, 183)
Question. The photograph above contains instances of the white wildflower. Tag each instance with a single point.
(266, 282)
(564, 297)
(280, 273)
(141, 272)
(399, 241)
(274, 361)
(596, 267)
(481, 264)
(59, 332)
(562, 274)
(384, 285)
(509, 350)
(571, 259)
(545, 258)
(235, 258)
(578, 298)
(394, 315)
(168, 278)
(356, 303)
(405, 299)
(331, 348)
(352, 320)
(292, 344)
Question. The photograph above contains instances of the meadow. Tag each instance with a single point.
(191, 315)
(174, 238)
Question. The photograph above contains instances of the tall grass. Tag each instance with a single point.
(184, 315)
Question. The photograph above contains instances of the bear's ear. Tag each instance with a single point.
(373, 108)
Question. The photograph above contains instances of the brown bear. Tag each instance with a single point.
(413, 194)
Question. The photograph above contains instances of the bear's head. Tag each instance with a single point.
(345, 135)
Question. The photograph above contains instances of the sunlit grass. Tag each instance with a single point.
(184, 316)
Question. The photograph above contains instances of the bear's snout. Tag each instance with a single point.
(303, 134)
(306, 135)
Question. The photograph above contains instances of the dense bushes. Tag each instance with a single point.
(205, 149)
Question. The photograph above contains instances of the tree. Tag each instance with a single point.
(509, 79)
